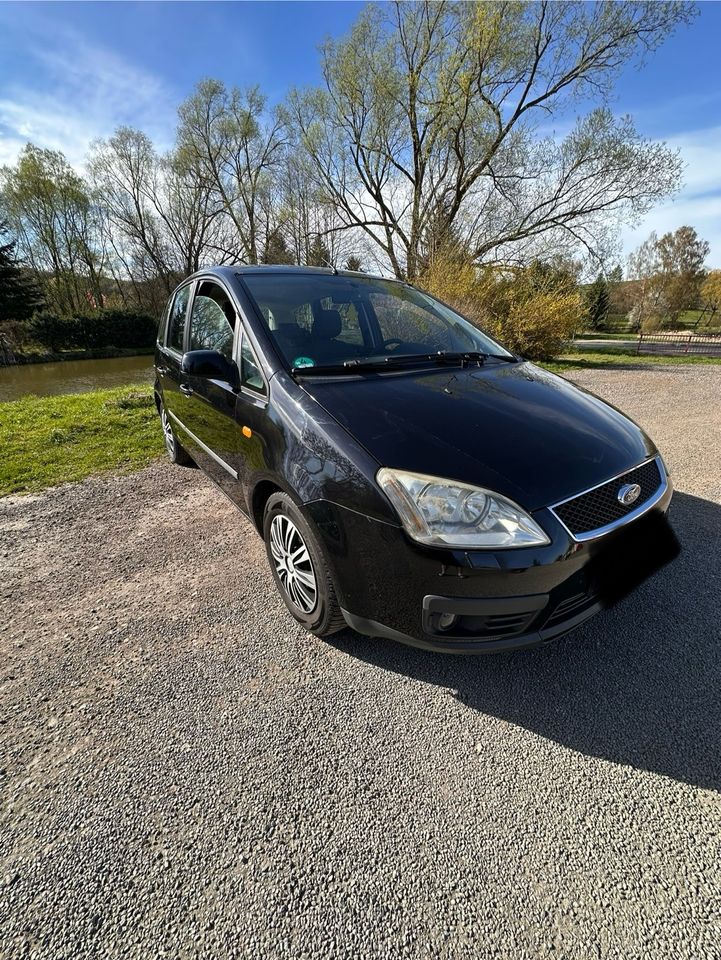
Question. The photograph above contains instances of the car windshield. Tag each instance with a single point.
(321, 320)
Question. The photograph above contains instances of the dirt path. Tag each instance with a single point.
(184, 773)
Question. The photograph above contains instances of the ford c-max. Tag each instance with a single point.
(410, 477)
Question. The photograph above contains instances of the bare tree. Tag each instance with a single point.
(163, 221)
(225, 137)
(435, 120)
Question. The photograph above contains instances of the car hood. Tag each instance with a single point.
(512, 428)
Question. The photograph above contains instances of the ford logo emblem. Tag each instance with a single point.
(628, 494)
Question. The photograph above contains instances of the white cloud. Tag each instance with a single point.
(701, 151)
(80, 92)
(699, 203)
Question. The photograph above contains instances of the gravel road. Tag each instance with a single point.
(184, 773)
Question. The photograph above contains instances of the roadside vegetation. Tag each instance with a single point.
(400, 162)
(613, 358)
(51, 440)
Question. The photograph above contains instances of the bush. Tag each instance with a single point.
(54, 332)
(123, 329)
(13, 334)
(532, 310)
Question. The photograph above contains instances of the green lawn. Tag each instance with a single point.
(595, 359)
(598, 335)
(50, 440)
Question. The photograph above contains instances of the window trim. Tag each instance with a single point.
(163, 324)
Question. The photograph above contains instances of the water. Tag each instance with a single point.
(73, 376)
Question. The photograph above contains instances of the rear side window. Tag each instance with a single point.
(176, 324)
(212, 320)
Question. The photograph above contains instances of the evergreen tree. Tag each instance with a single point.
(318, 253)
(354, 263)
(276, 249)
(597, 303)
(20, 296)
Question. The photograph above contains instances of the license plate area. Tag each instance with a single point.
(621, 561)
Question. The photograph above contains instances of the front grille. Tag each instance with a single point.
(601, 506)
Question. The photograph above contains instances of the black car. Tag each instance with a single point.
(411, 478)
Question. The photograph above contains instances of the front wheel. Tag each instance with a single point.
(299, 570)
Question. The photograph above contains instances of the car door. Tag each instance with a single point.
(206, 409)
(223, 424)
(171, 346)
(251, 414)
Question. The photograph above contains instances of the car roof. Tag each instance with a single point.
(244, 269)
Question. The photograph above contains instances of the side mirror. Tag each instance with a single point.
(211, 365)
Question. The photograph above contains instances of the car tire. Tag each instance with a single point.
(299, 568)
(177, 453)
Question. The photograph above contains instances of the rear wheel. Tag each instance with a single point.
(299, 570)
(176, 452)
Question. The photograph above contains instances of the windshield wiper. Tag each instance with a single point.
(359, 364)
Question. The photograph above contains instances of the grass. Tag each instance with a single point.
(51, 440)
(598, 335)
(597, 359)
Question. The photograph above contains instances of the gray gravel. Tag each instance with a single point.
(185, 773)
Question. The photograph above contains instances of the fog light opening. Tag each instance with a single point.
(446, 621)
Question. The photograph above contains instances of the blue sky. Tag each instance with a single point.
(70, 72)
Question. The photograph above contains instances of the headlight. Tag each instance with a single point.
(446, 513)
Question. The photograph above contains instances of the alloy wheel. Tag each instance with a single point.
(167, 433)
(293, 563)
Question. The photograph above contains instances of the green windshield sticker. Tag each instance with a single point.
(304, 362)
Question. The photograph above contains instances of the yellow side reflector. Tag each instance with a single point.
(247, 432)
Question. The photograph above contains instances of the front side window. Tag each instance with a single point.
(319, 320)
(212, 320)
(176, 324)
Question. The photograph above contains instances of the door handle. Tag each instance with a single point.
(186, 390)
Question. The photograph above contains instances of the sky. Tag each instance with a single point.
(71, 72)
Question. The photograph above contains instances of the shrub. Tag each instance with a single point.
(55, 332)
(123, 329)
(533, 310)
(13, 334)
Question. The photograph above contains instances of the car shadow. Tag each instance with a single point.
(639, 684)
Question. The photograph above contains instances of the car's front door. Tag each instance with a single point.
(207, 408)
(224, 424)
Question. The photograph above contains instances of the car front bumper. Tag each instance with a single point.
(477, 601)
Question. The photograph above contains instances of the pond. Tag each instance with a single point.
(73, 376)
